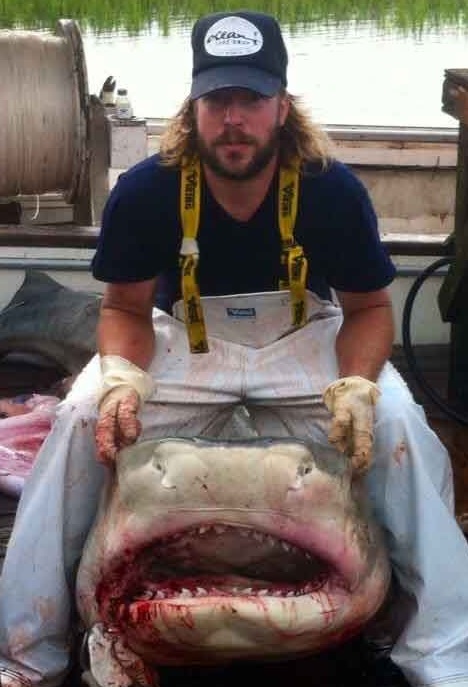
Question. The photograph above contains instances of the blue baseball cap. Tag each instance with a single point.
(238, 50)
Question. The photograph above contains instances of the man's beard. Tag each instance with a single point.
(259, 161)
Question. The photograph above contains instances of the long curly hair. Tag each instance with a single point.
(300, 137)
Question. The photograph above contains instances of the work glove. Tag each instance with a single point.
(351, 400)
(124, 388)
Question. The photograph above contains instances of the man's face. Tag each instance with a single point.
(238, 131)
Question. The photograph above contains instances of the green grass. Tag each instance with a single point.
(133, 16)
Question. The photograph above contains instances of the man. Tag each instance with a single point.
(247, 197)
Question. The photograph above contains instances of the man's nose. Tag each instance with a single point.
(233, 112)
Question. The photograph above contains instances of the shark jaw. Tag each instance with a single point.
(219, 591)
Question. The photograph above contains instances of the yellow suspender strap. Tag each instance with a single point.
(190, 215)
(293, 260)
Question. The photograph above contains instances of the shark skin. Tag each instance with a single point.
(208, 552)
(52, 321)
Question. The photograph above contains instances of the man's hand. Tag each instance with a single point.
(117, 425)
(351, 400)
(125, 387)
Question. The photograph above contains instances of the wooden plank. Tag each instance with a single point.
(73, 236)
(417, 244)
(49, 236)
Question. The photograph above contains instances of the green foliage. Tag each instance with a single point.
(134, 16)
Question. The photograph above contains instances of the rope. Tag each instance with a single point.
(39, 116)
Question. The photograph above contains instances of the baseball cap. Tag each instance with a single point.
(242, 49)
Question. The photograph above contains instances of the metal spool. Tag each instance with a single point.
(44, 121)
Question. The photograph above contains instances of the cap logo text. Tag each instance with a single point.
(232, 37)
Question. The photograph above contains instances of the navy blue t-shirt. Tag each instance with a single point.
(336, 226)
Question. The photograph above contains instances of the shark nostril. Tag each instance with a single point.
(305, 468)
(159, 466)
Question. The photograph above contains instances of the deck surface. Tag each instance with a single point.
(351, 664)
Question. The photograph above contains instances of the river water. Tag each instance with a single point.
(356, 73)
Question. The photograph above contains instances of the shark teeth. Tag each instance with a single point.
(205, 531)
(235, 591)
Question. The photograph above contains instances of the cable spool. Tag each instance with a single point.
(44, 113)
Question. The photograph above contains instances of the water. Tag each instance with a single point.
(354, 73)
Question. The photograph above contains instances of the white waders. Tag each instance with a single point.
(280, 379)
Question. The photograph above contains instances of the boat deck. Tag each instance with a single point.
(352, 663)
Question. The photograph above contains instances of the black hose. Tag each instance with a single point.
(408, 347)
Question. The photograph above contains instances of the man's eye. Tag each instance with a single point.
(216, 100)
(251, 99)
(256, 97)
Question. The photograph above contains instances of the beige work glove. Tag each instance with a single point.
(124, 388)
(351, 400)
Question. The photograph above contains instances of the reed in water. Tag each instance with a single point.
(135, 16)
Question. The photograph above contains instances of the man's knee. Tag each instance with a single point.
(396, 404)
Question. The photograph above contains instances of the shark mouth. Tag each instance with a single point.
(216, 560)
